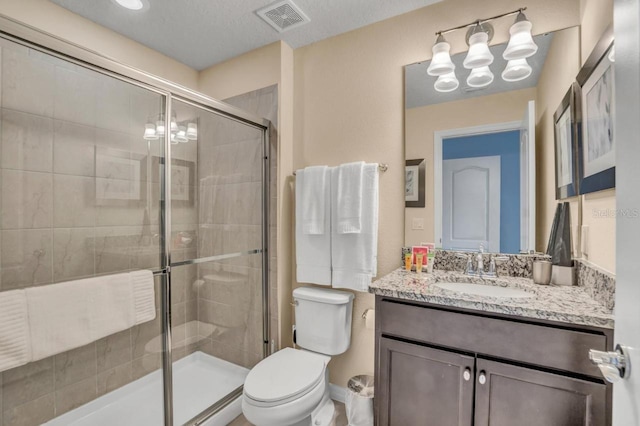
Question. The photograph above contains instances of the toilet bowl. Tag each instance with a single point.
(291, 386)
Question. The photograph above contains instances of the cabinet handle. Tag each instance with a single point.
(482, 378)
(467, 374)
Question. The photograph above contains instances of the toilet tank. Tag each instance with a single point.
(323, 319)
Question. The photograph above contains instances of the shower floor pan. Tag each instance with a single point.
(199, 380)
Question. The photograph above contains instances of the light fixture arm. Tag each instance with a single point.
(479, 22)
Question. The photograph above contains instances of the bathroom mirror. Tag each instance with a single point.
(481, 151)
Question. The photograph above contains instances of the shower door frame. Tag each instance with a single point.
(37, 39)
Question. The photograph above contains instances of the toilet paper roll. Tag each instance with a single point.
(370, 319)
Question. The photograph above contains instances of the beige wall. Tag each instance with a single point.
(349, 105)
(422, 122)
(62, 23)
(251, 71)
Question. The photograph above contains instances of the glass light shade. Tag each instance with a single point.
(480, 77)
(131, 4)
(192, 131)
(521, 44)
(441, 61)
(150, 132)
(479, 54)
(446, 83)
(174, 139)
(181, 135)
(516, 70)
(160, 128)
(174, 125)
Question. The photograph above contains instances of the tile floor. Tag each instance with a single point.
(339, 418)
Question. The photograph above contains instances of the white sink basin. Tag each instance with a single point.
(485, 290)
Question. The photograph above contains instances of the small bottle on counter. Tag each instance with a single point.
(407, 261)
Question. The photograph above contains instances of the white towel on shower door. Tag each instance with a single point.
(313, 251)
(71, 314)
(15, 341)
(354, 257)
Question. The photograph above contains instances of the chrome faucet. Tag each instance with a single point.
(480, 261)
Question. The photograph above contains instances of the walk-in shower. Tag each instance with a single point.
(105, 169)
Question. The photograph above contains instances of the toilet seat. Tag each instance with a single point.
(285, 376)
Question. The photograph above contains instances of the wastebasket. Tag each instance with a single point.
(359, 400)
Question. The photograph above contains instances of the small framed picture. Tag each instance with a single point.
(414, 183)
(597, 144)
(566, 135)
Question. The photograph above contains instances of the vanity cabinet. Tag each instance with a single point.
(441, 366)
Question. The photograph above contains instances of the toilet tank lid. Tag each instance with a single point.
(321, 295)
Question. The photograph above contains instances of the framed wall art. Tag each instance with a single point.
(414, 189)
(596, 142)
(566, 141)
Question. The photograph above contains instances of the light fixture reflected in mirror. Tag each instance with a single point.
(447, 83)
(479, 54)
(516, 70)
(441, 63)
(480, 77)
(521, 44)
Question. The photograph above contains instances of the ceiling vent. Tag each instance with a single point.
(283, 15)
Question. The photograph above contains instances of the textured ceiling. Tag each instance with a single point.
(419, 89)
(201, 33)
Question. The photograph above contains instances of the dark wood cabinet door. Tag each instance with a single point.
(422, 386)
(512, 395)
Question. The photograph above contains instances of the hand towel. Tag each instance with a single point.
(349, 198)
(313, 251)
(15, 342)
(354, 257)
(313, 198)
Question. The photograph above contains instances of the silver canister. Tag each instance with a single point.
(542, 272)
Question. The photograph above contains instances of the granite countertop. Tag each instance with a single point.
(567, 304)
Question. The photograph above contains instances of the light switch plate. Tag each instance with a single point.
(417, 223)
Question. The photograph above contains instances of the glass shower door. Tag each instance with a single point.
(78, 200)
(216, 255)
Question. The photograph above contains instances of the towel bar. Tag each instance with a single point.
(383, 167)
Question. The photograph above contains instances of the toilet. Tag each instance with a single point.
(291, 387)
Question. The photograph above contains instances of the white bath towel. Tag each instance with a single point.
(354, 257)
(313, 251)
(349, 198)
(15, 342)
(144, 296)
(68, 315)
(313, 197)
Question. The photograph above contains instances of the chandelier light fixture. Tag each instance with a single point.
(180, 132)
(479, 57)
